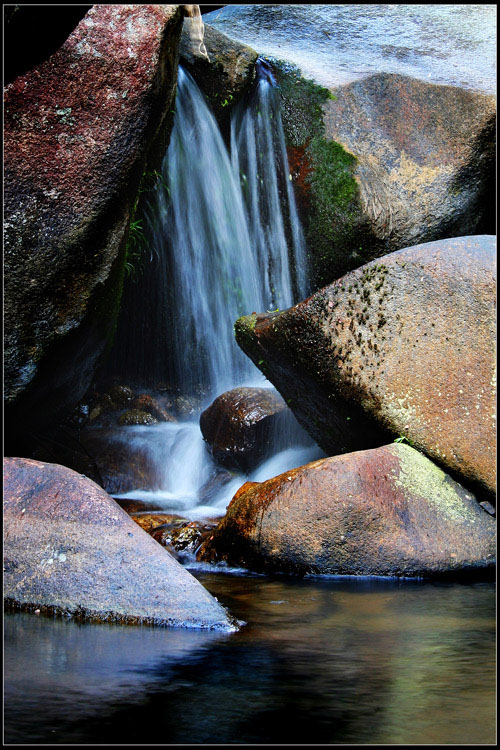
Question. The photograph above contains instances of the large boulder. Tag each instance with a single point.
(80, 132)
(222, 68)
(239, 426)
(386, 162)
(70, 549)
(388, 512)
(404, 346)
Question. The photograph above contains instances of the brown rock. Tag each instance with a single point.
(239, 425)
(70, 549)
(150, 521)
(402, 346)
(388, 512)
(79, 131)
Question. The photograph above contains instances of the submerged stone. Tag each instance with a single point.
(70, 549)
(386, 512)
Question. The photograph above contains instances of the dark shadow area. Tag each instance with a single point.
(32, 33)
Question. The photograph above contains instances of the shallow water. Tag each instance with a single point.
(335, 44)
(319, 661)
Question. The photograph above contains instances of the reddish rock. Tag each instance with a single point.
(403, 346)
(239, 425)
(388, 512)
(79, 131)
(70, 549)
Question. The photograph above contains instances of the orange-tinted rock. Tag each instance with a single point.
(79, 131)
(69, 548)
(404, 345)
(150, 521)
(388, 511)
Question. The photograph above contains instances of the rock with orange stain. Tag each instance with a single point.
(387, 512)
(403, 346)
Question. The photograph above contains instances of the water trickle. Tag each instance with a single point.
(226, 241)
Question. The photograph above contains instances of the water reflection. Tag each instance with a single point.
(337, 661)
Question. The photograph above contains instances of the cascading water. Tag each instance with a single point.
(227, 241)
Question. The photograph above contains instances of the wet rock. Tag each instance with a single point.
(185, 536)
(121, 465)
(132, 506)
(224, 73)
(239, 426)
(388, 511)
(79, 131)
(386, 162)
(121, 395)
(153, 406)
(150, 521)
(187, 406)
(403, 346)
(70, 549)
(212, 486)
(134, 416)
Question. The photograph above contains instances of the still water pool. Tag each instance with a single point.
(319, 661)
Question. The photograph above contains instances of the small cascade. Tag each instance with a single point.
(225, 240)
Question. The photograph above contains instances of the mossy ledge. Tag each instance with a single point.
(337, 232)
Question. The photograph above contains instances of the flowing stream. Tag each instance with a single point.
(225, 240)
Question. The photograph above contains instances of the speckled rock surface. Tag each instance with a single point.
(403, 346)
(79, 131)
(388, 511)
(226, 74)
(386, 162)
(70, 549)
(238, 426)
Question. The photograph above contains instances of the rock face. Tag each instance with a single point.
(80, 131)
(403, 346)
(240, 423)
(224, 73)
(388, 511)
(70, 549)
(386, 162)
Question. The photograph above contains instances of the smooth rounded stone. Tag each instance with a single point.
(222, 68)
(239, 425)
(403, 346)
(71, 549)
(79, 132)
(135, 416)
(386, 512)
(186, 406)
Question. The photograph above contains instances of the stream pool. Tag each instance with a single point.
(319, 661)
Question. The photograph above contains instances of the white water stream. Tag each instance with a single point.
(229, 242)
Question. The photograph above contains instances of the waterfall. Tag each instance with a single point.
(225, 241)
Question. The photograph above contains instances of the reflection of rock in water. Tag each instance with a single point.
(323, 661)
